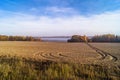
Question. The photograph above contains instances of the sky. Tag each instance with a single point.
(59, 17)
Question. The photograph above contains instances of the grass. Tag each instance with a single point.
(78, 61)
(14, 68)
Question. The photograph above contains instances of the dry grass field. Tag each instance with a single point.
(113, 49)
(75, 52)
(61, 51)
(59, 61)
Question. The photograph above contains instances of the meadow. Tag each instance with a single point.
(59, 61)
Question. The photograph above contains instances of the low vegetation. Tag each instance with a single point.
(13, 68)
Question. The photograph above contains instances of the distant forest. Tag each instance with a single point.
(106, 38)
(74, 38)
(18, 38)
(96, 38)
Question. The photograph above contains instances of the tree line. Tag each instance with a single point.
(106, 38)
(96, 38)
(18, 38)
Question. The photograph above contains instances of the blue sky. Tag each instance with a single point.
(59, 17)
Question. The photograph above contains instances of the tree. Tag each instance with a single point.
(78, 38)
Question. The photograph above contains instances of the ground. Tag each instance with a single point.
(105, 54)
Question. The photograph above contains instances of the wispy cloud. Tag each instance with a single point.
(54, 10)
(33, 9)
(59, 9)
(24, 24)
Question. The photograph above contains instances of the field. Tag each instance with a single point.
(77, 52)
(59, 61)
(112, 49)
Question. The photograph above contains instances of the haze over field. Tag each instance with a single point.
(59, 17)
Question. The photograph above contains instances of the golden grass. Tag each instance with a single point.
(14, 68)
(75, 52)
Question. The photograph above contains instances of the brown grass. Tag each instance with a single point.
(75, 52)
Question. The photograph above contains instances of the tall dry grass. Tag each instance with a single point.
(14, 68)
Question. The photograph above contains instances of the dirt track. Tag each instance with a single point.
(63, 56)
(104, 55)
(53, 56)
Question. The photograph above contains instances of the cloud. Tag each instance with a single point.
(54, 10)
(24, 24)
(33, 9)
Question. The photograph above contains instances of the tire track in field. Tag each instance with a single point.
(53, 55)
(50, 56)
(105, 55)
(46, 55)
(61, 57)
